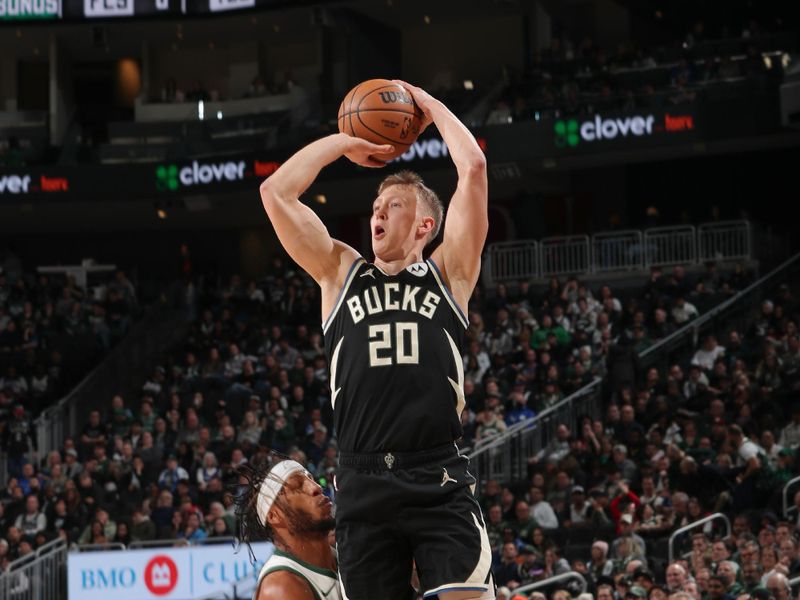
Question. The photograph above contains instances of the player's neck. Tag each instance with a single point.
(314, 550)
(393, 267)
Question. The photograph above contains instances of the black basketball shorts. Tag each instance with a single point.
(397, 509)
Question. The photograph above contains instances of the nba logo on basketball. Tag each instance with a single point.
(161, 575)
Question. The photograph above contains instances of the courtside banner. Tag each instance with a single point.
(164, 573)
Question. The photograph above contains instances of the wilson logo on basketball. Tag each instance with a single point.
(392, 97)
(161, 575)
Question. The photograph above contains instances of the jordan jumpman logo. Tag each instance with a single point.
(446, 478)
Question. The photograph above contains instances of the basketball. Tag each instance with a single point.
(381, 112)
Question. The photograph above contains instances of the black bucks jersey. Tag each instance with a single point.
(394, 348)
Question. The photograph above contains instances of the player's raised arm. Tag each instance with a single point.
(467, 222)
(299, 229)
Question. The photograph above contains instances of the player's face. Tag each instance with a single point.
(394, 222)
(308, 509)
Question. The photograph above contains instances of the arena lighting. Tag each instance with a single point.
(321, 199)
(201, 110)
(468, 85)
(162, 214)
(219, 115)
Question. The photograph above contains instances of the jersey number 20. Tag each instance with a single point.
(405, 341)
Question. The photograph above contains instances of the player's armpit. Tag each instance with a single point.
(284, 585)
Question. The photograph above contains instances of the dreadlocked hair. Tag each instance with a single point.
(246, 489)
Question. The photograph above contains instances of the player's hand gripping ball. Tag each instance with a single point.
(382, 112)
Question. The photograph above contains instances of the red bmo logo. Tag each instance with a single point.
(161, 575)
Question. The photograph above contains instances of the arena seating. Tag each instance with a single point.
(251, 377)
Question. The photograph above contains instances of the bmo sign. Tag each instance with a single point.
(171, 574)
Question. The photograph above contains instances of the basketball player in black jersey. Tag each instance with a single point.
(393, 334)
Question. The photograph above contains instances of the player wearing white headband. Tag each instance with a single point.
(286, 506)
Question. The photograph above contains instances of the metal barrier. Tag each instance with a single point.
(514, 260)
(728, 240)
(785, 493)
(531, 587)
(211, 541)
(695, 525)
(39, 576)
(157, 544)
(564, 255)
(617, 251)
(670, 246)
(98, 547)
(506, 457)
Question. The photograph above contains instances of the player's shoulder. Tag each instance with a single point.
(346, 258)
(284, 584)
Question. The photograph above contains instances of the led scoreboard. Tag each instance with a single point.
(16, 11)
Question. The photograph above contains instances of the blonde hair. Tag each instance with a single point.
(431, 205)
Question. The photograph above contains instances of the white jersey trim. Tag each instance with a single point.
(481, 574)
(456, 308)
(334, 364)
(324, 583)
(347, 281)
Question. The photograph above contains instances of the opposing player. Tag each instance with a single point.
(393, 332)
(285, 505)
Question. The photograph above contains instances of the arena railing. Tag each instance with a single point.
(555, 579)
(670, 246)
(792, 483)
(516, 260)
(699, 523)
(618, 251)
(104, 547)
(564, 254)
(728, 240)
(506, 457)
(39, 576)
(794, 582)
(176, 543)
(165, 543)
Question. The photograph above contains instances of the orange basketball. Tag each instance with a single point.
(381, 112)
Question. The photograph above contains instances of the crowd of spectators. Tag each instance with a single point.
(579, 78)
(52, 332)
(714, 432)
(706, 434)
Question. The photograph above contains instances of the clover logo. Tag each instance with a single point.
(167, 178)
(566, 133)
